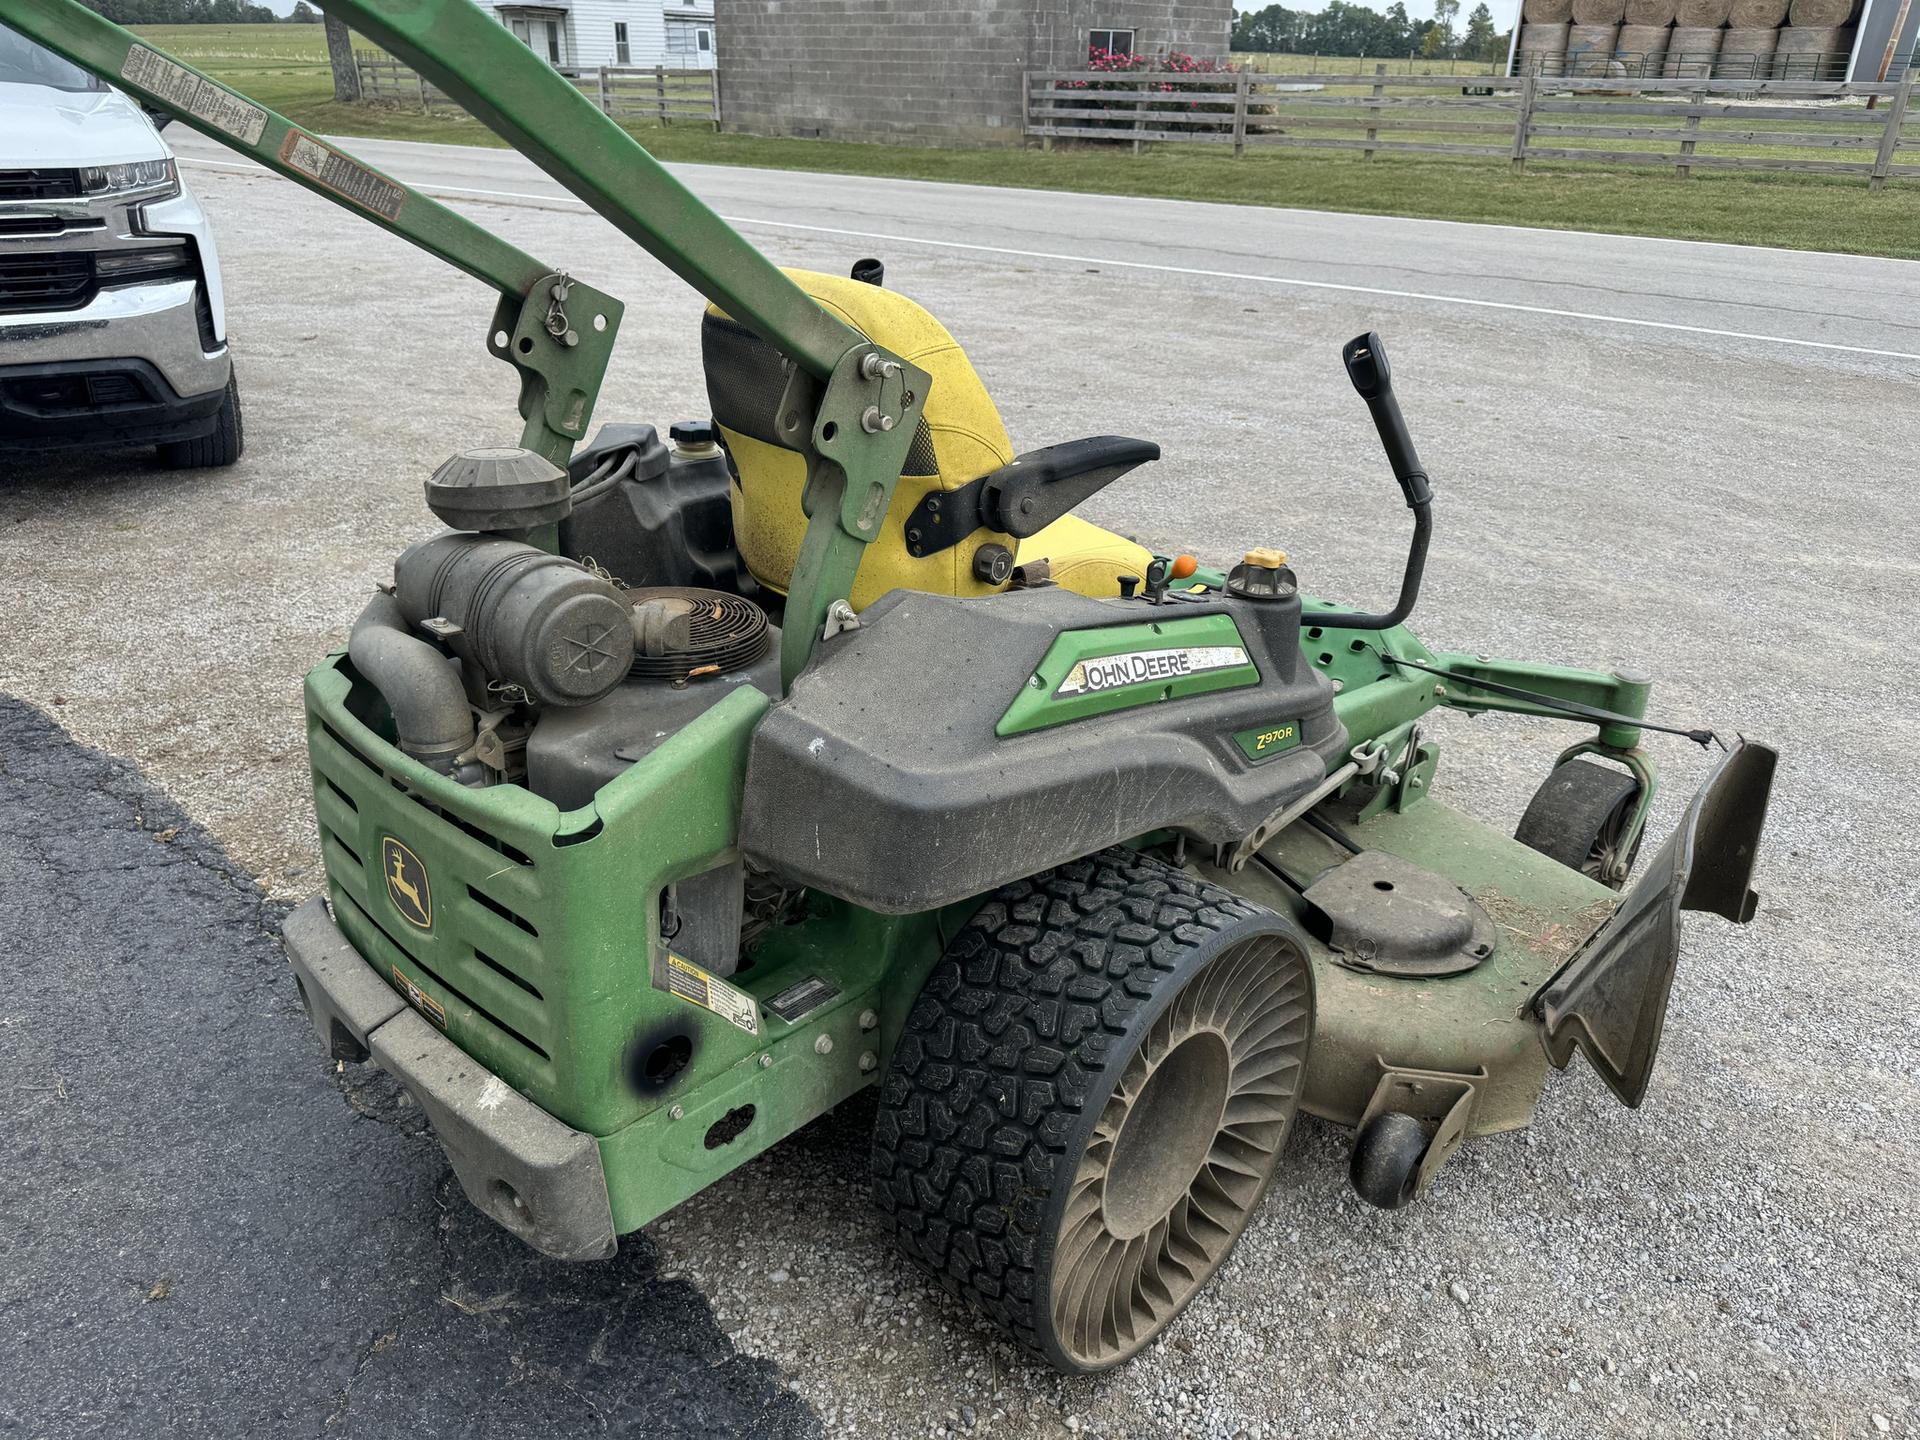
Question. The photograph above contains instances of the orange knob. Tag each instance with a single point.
(1182, 567)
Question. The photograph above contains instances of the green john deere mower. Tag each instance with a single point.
(682, 789)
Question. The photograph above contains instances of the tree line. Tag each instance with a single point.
(183, 12)
(1348, 29)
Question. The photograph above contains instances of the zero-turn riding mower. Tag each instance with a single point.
(679, 791)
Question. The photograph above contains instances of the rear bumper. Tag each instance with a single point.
(539, 1178)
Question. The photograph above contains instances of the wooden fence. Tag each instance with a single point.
(622, 91)
(1682, 123)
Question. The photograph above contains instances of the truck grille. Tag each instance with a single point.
(39, 184)
(45, 282)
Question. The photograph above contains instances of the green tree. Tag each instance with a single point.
(1480, 33)
(1439, 40)
(305, 14)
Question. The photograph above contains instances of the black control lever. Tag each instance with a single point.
(1366, 362)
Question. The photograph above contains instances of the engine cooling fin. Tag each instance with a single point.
(685, 632)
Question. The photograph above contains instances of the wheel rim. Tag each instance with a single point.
(1182, 1151)
(1605, 851)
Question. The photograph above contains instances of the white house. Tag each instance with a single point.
(586, 34)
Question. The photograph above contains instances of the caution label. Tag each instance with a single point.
(222, 109)
(343, 175)
(419, 999)
(710, 992)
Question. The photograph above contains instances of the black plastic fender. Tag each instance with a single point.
(1609, 1001)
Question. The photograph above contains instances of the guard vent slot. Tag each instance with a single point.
(504, 973)
(502, 911)
(415, 962)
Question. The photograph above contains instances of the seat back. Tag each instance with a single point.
(960, 439)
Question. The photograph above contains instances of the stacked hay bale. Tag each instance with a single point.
(1687, 39)
(1816, 32)
(1592, 37)
(1695, 43)
(1642, 45)
(1543, 37)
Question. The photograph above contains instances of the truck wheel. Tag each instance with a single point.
(1578, 816)
(1089, 1098)
(221, 446)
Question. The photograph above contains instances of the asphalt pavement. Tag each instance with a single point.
(207, 1232)
(1688, 458)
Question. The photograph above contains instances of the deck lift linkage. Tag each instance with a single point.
(673, 796)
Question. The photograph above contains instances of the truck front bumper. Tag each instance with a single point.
(130, 367)
(541, 1179)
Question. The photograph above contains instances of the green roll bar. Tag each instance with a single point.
(850, 407)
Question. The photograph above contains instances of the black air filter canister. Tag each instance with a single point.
(522, 617)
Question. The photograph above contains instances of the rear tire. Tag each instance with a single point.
(221, 446)
(1089, 1098)
(1578, 816)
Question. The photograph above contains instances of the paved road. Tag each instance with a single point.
(206, 1234)
(1560, 278)
(1732, 515)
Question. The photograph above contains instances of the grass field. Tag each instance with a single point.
(284, 66)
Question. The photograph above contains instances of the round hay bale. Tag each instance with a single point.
(1590, 49)
(1700, 14)
(1818, 14)
(1812, 52)
(1691, 52)
(1746, 54)
(1592, 13)
(1649, 12)
(1542, 50)
(1757, 14)
(1545, 12)
(1642, 49)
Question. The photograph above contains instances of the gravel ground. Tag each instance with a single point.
(1737, 1257)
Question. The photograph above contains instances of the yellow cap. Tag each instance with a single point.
(1266, 559)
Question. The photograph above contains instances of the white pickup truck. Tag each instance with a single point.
(112, 326)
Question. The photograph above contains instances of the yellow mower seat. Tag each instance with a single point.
(961, 438)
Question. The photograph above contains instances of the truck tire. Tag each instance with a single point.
(1088, 1099)
(220, 446)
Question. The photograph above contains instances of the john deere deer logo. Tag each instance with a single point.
(407, 883)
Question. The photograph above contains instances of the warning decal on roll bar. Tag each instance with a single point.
(343, 175)
(199, 97)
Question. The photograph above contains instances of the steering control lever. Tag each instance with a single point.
(1366, 362)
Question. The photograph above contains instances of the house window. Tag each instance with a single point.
(1114, 42)
(687, 37)
(543, 34)
(705, 38)
(622, 51)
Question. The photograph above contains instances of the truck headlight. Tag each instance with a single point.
(151, 262)
(153, 178)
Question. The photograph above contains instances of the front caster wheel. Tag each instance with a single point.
(1387, 1152)
(1089, 1098)
(1579, 817)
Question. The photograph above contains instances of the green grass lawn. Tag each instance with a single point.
(284, 66)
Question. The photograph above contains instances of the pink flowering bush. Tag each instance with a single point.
(1139, 72)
